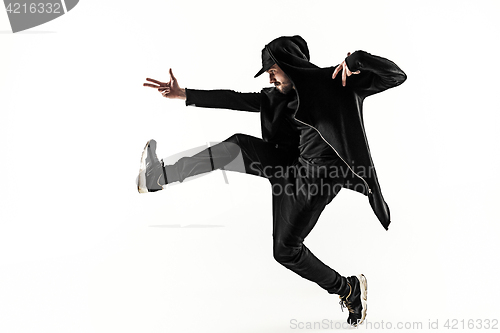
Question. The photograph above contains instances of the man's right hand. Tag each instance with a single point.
(169, 89)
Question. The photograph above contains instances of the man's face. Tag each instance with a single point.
(279, 79)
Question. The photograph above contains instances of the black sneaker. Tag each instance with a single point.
(355, 301)
(152, 173)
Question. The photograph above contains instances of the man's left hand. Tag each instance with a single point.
(345, 71)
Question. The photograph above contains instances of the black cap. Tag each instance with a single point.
(267, 62)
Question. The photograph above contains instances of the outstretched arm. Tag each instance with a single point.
(224, 99)
(221, 99)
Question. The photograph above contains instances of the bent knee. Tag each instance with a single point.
(286, 254)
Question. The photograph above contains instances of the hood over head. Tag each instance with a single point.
(286, 51)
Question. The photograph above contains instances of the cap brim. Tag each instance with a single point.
(263, 70)
(267, 62)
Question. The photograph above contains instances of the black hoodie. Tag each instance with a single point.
(336, 112)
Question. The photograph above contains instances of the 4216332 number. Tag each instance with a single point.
(33, 8)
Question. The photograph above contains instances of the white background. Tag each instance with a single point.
(82, 251)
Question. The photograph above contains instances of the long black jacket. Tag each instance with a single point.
(336, 112)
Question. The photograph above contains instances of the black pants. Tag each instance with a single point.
(300, 193)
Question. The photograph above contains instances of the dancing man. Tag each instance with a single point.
(313, 144)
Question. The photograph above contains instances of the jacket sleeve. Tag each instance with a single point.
(224, 99)
(377, 73)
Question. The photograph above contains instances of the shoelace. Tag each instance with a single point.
(344, 303)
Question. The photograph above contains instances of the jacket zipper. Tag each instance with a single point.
(364, 181)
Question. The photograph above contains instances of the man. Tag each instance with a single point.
(313, 144)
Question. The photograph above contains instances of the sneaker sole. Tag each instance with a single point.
(363, 285)
(141, 179)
